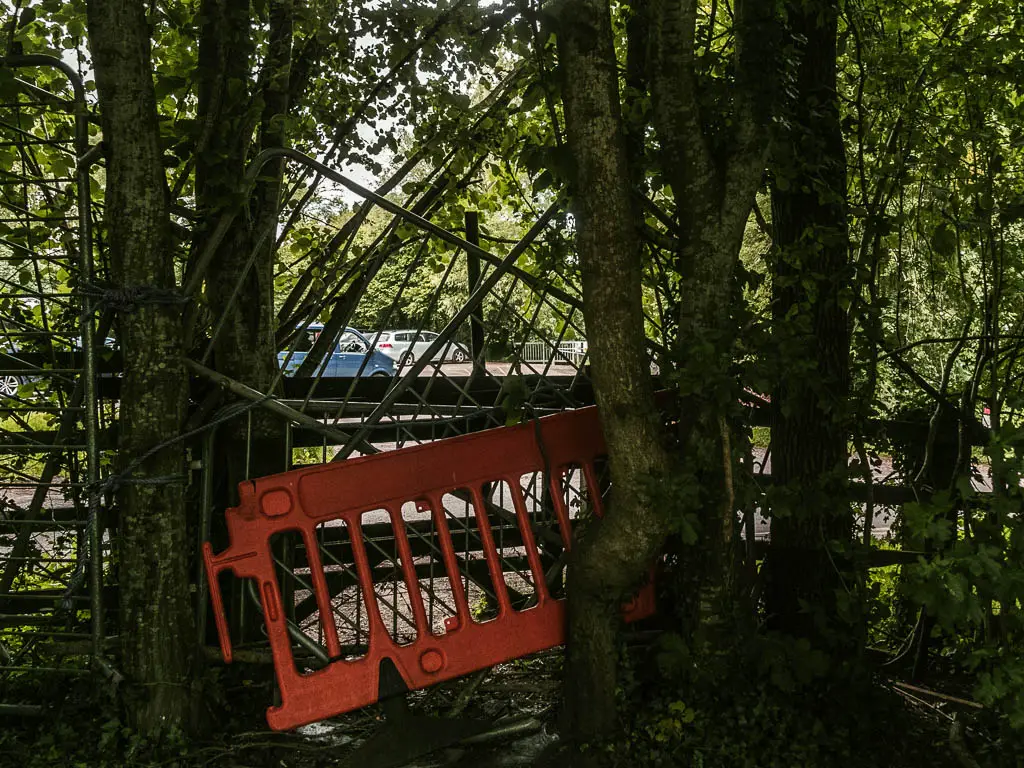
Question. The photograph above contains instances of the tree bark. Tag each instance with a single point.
(240, 278)
(714, 186)
(156, 619)
(811, 273)
(636, 116)
(713, 196)
(612, 555)
(229, 116)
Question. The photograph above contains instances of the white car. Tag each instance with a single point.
(406, 346)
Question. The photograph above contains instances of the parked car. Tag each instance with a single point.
(346, 359)
(10, 383)
(407, 346)
(9, 350)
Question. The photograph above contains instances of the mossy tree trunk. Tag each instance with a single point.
(714, 180)
(714, 194)
(611, 556)
(157, 633)
(239, 118)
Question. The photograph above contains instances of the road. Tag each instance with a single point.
(498, 369)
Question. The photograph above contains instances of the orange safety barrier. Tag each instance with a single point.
(302, 500)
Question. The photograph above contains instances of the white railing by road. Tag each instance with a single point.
(571, 352)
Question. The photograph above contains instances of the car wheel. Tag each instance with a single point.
(458, 356)
(383, 374)
(9, 386)
(409, 359)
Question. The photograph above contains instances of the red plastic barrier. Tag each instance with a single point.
(303, 499)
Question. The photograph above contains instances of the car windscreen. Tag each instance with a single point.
(349, 342)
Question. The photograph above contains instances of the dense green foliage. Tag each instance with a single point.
(454, 106)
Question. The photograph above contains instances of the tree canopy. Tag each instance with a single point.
(816, 205)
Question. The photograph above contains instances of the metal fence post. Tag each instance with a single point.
(476, 319)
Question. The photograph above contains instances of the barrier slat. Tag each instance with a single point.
(532, 555)
(377, 629)
(593, 489)
(409, 571)
(323, 596)
(490, 550)
(451, 566)
(561, 512)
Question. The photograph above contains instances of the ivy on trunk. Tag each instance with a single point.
(811, 276)
(713, 188)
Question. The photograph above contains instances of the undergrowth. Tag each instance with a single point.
(778, 704)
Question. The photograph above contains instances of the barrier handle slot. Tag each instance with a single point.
(212, 573)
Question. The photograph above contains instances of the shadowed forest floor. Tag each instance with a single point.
(524, 696)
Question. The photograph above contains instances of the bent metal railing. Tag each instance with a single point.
(51, 539)
(500, 304)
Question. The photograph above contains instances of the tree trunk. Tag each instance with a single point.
(156, 619)
(240, 278)
(713, 200)
(611, 555)
(809, 434)
(713, 185)
(239, 118)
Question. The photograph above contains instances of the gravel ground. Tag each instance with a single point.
(16, 497)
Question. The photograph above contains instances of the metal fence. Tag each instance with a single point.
(566, 353)
(59, 389)
(59, 386)
(51, 541)
(481, 300)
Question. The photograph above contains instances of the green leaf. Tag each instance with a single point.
(944, 240)
(532, 96)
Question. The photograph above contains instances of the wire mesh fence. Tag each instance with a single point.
(393, 330)
(51, 541)
(422, 334)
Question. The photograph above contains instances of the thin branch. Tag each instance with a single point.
(949, 340)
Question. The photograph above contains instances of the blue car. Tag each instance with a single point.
(353, 355)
